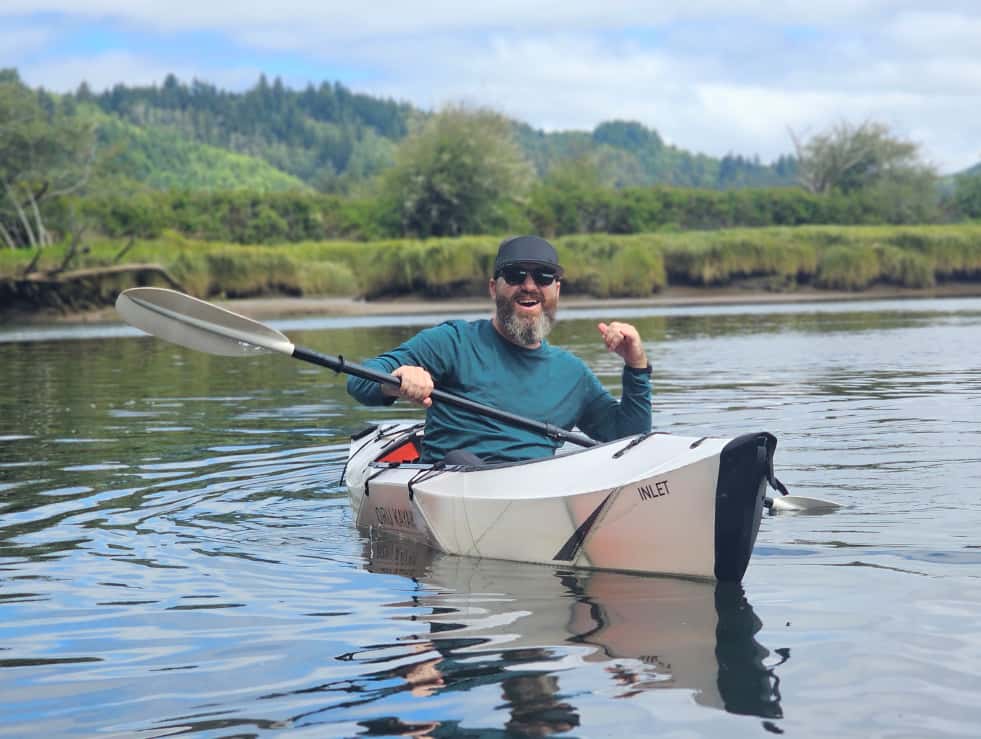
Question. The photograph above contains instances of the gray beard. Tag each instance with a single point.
(523, 331)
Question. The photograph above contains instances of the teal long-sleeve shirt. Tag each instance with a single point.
(548, 384)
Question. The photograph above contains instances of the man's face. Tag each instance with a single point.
(527, 310)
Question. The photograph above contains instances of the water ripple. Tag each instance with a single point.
(177, 554)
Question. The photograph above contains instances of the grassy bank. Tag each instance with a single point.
(599, 265)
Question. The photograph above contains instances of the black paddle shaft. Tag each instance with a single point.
(339, 364)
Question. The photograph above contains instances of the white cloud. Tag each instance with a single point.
(557, 82)
(20, 40)
(943, 33)
(711, 75)
(339, 18)
(568, 82)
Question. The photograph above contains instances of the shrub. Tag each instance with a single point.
(847, 268)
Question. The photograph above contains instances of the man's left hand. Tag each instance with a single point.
(623, 339)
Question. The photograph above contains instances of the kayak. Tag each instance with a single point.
(653, 503)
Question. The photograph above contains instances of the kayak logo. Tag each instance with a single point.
(649, 492)
(399, 518)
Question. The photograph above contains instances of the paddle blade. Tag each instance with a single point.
(196, 324)
(800, 504)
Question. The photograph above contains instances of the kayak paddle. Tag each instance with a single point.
(197, 324)
(800, 504)
(202, 326)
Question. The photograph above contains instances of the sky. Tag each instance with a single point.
(711, 76)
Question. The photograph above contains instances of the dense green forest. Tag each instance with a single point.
(333, 139)
(327, 137)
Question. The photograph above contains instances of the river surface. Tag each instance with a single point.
(177, 555)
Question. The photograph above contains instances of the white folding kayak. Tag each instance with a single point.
(653, 503)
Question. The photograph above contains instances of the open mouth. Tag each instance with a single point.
(527, 302)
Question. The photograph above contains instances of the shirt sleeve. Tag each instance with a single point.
(431, 349)
(604, 418)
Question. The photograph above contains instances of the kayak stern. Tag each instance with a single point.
(744, 467)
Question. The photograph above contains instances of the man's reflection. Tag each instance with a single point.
(535, 706)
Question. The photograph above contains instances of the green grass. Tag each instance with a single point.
(602, 265)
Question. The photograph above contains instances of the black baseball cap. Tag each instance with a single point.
(526, 250)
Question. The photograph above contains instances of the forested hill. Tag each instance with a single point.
(628, 153)
(326, 136)
(332, 139)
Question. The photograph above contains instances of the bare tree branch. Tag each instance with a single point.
(22, 215)
(82, 179)
(33, 263)
(803, 172)
(42, 190)
(43, 237)
(122, 252)
(7, 237)
(71, 252)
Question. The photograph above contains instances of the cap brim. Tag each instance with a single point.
(535, 262)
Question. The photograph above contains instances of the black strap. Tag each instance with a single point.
(774, 482)
(634, 442)
(370, 478)
(423, 475)
(777, 485)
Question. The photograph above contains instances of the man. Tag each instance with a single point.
(506, 363)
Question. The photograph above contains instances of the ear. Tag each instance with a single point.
(558, 287)
(492, 288)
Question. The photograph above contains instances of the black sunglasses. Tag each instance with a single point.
(542, 276)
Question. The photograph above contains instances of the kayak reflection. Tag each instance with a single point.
(526, 624)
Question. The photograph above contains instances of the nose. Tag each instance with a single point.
(529, 283)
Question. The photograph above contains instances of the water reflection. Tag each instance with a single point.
(523, 626)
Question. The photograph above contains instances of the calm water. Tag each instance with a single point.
(177, 555)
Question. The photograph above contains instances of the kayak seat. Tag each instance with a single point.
(463, 458)
(407, 451)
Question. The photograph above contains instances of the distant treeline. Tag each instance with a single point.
(266, 218)
(315, 134)
(332, 138)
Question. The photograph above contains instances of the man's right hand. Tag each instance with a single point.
(417, 385)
